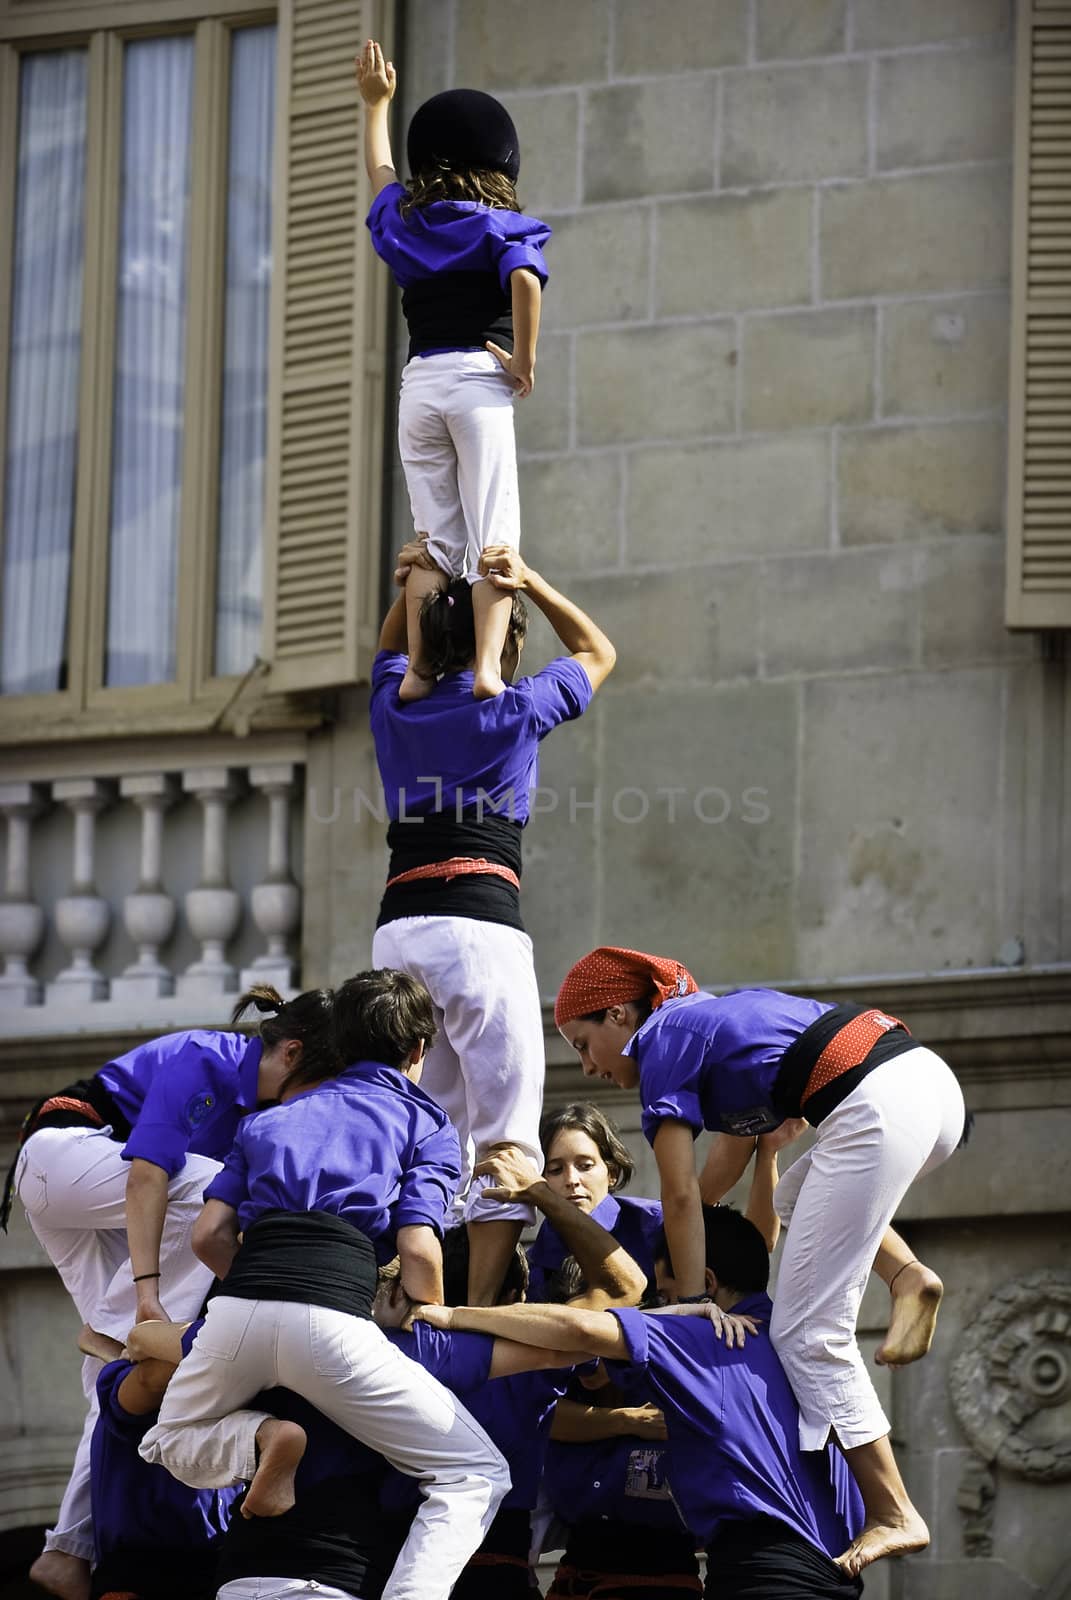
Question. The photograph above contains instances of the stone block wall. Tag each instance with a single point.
(766, 450)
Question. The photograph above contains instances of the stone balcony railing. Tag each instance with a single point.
(150, 895)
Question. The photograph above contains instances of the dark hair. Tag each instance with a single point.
(644, 1004)
(448, 628)
(381, 1015)
(306, 1018)
(441, 182)
(514, 1285)
(583, 1117)
(735, 1250)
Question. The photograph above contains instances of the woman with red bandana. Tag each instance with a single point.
(886, 1111)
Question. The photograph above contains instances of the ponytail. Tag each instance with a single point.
(306, 1018)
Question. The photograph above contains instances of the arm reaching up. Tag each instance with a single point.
(584, 639)
(376, 80)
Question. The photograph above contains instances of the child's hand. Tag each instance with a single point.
(414, 554)
(376, 78)
(784, 1134)
(502, 565)
(522, 373)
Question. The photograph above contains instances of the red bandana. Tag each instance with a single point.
(610, 977)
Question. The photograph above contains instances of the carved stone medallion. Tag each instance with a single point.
(1011, 1380)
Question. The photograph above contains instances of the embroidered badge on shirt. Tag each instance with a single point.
(199, 1107)
(745, 1124)
(645, 1476)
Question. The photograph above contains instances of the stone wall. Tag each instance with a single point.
(766, 449)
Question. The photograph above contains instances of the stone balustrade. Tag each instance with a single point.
(148, 895)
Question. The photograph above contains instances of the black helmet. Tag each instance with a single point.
(463, 128)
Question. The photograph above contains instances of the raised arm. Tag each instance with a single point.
(760, 1200)
(392, 635)
(376, 80)
(612, 1277)
(584, 639)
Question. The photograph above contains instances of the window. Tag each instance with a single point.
(191, 359)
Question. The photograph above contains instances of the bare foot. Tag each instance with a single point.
(100, 1345)
(414, 687)
(486, 685)
(879, 1539)
(281, 1446)
(916, 1299)
(61, 1574)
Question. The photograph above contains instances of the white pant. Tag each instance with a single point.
(903, 1120)
(348, 1369)
(281, 1589)
(456, 441)
(487, 1065)
(72, 1183)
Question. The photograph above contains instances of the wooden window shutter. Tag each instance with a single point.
(1039, 460)
(325, 420)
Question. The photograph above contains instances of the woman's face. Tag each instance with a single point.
(576, 1170)
(599, 1045)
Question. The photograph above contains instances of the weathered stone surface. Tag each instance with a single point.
(839, 612)
(696, 624)
(746, 497)
(548, 129)
(511, 44)
(962, 606)
(941, 356)
(943, 106)
(680, 36)
(899, 774)
(734, 253)
(877, 24)
(600, 266)
(808, 369)
(934, 232)
(571, 513)
(671, 382)
(724, 888)
(544, 420)
(794, 28)
(786, 123)
(649, 138)
(906, 482)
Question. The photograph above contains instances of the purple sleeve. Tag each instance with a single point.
(182, 1089)
(113, 1419)
(519, 242)
(460, 1360)
(231, 1184)
(382, 213)
(671, 1062)
(636, 1329)
(430, 1182)
(561, 692)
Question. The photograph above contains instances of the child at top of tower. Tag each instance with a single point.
(471, 269)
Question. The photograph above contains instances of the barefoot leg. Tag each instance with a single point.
(420, 583)
(99, 1345)
(916, 1298)
(492, 609)
(61, 1574)
(280, 1447)
(892, 1527)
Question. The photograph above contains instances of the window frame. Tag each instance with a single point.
(197, 694)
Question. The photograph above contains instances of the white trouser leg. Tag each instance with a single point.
(481, 977)
(72, 1183)
(458, 448)
(347, 1368)
(904, 1119)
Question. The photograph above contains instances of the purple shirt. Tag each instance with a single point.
(449, 751)
(712, 1061)
(368, 1146)
(635, 1224)
(624, 1480)
(454, 236)
(516, 1413)
(733, 1426)
(184, 1094)
(136, 1504)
